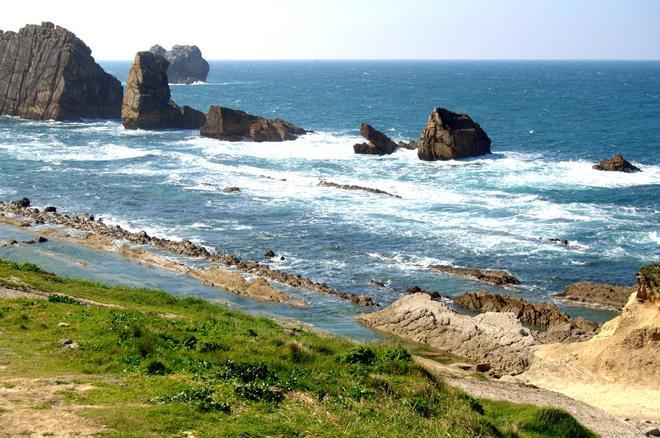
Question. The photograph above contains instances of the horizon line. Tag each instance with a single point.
(422, 59)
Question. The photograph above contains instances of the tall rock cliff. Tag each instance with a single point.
(186, 63)
(147, 102)
(46, 73)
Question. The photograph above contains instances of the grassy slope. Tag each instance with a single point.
(219, 372)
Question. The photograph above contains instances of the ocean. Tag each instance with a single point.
(548, 121)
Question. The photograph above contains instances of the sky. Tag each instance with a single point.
(358, 29)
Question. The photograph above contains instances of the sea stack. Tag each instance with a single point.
(449, 135)
(187, 65)
(234, 125)
(377, 142)
(148, 104)
(47, 73)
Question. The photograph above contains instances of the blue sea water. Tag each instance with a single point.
(549, 122)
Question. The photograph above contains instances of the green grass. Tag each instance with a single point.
(219, 372)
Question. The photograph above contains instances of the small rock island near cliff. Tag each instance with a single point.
(187, 65)
(47, 73)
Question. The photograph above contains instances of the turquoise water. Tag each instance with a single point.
(549, 121)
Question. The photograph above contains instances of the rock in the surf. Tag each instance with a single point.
(47, 73)
(410, 144)
(147, 102)
(616, 164)
(597, 294)
(235, 125)
(494, 277)
(377, 142)
(449, 135)
(187, 65)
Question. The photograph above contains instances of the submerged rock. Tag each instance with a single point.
(187, 65)
(147, 102)
(377, 142)
(496, 339)
(354, 187)
(47, 73)
(616, 164)
(449, 135)
(496, 278)
(597, 294)
(234, 125)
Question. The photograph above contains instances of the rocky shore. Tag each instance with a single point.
(88, 223)
(599, 295)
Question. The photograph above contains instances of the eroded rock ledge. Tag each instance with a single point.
(588, 293)
(560, 327)
(323, 183)
(494, 277)
(184, 247)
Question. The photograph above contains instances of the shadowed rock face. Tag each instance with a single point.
(616, 164)
(378, 143)
(234, 125)
(147, 103)
(47, 73)
(186, 64)
(449, 135)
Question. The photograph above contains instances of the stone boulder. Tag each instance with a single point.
(186, 64)
(47, 73)
(377, 142)
(234, 125)
(616, 164)
(496, 339)
(147, 102)
(449, 135)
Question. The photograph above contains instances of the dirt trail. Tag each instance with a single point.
(595, 419)
(35, 407)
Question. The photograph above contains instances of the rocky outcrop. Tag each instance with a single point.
(354, 187)
(449, 135)
(648, 284)
(147, 102)
(597, 294)
(377, 142)
(496, 339)
(561, 327)
(496, 278)
(108, 233)
(616, 164)
(410, 144)
(234, 125)
(47, 73)
(186, 64)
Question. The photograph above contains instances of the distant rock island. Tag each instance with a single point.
(47, 73)
(148, 104)
(186, 64)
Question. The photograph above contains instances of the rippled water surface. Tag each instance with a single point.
(548, 121)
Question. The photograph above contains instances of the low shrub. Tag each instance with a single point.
(56, 298)
(360, 354)
(201, 398)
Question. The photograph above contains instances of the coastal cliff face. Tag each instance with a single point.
(187, 65)
(47, 73)
(449, 135)
(234, 125)
(147, 103)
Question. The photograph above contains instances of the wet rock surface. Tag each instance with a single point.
(184, 247)
(449, 135)
(494, 277)
(147, 103)
(235, 125)
(47, 73)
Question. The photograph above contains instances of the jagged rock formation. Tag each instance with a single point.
(147, 102)
(186, 64)
(496, 278)
(410, 144)
(47, 73)
(234, 125)
(616, 164)
(354, 187)
(377, 142)
(597, 294)
(561, 327)
(449, 135)
(496, 339)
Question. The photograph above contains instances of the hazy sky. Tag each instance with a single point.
(358, 29)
